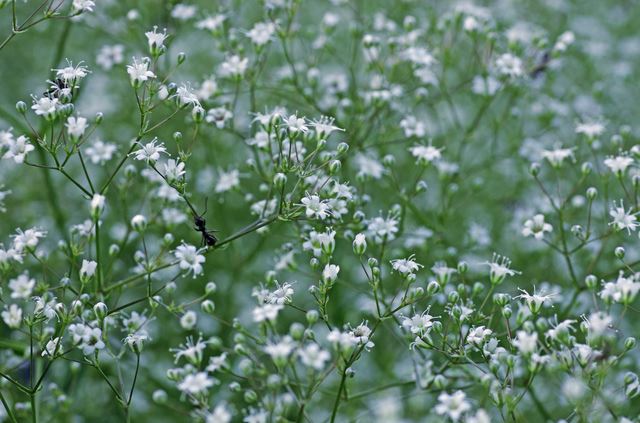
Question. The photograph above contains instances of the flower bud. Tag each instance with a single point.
(359, 244)
(100, 310)
(630, 343)
(343, 147)
(21, 107)
(181, 58)
(534, 169)
(198, 114)
(296, 330)
(139, 223)
(433, 287)
(159, 396)
(208, 306)
(586, 168)
(312, 316)
(619, 252)
(334, 167)
(591, 281)
(279, 180)
(592, 193)
(210, 288)
(97, 206)
(463, 267)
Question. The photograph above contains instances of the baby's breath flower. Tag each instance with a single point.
(139, 72)
(314, 357)
(150, 152)
(18, 149)
(536, 227)
(499, 269)
(406, 266)
(452, 405)
(12, 316)
(316, 208)
(234, 67)
(425, 154)
(190, 258)
(618, 164)
(623, 219)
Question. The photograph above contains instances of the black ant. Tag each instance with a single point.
(541, 67)
(208, 238)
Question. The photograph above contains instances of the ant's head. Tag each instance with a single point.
(199, 220)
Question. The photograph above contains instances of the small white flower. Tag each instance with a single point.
(150, 152)
(525, 342)
(97, 204)
(234, 66)
(18, 149)
(509, 65)
(139, 72)
(227, 180)
(156, 39)
(27, 240)
(313, 356)
(453, 405)
(316, 208)
(406, 266)
(76, 126)
(81, 6)
(196, 383)
(46, 107)
(71, 74)
(219, 116)
(110, 55)
(623, 219)
(266, 312)
(12, 316)
(425, 154)
(330, 273)
(535, 301)
(172, 170)
(499, 269)
(87, 270)
(22, 286)
(51, 347)
(419, 324)
(591, 129)
(477, 335)
(211, 23)
(536, 227)
(183, 12)
(100, 152)
(188, 320)
(261, 33)
(558, 156)
(618, 164)
(190, 259)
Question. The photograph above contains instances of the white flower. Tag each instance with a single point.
(425, 153)
(536, 227)
(76, 126)
(227, 180)
(509, 65)
(623, 219)
(188, 320)
(183, 12)
(139, 72)
(100, 152)
(196, 383)
(525, 342)
(406, 266)
(156, 39)
(412, 127)
(12, 316)
(266, 312)
(591, 129)
(316, 208)
(558, 156)
(207, 89)
(22, 286)
(535, 301)
(190, 259)
(172, 170)
(211, 23)
(87, 270)
(330, 273)
(81, 6)
(18, 149)
(135, 341)
(343, 340)
(150, 152)
(97, 204)
(186, 96)
(71, 74)
(282, 294)
(46, 107)
(110, 55)
(51, 347)
(485, 85)
(27, 239)
(314, 357)
(219, 116)
(499, 269)
(234, 66)
(368, 167)
(383, 230)
(296, 124)
(454, 405)
(478, 334)
(618, 164)
(280, 351)
(623, 290)
(220, 414)
(324, 126)
(418, 324)
(261, 33)
(191, 351)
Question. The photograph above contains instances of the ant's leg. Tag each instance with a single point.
(206, 203)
